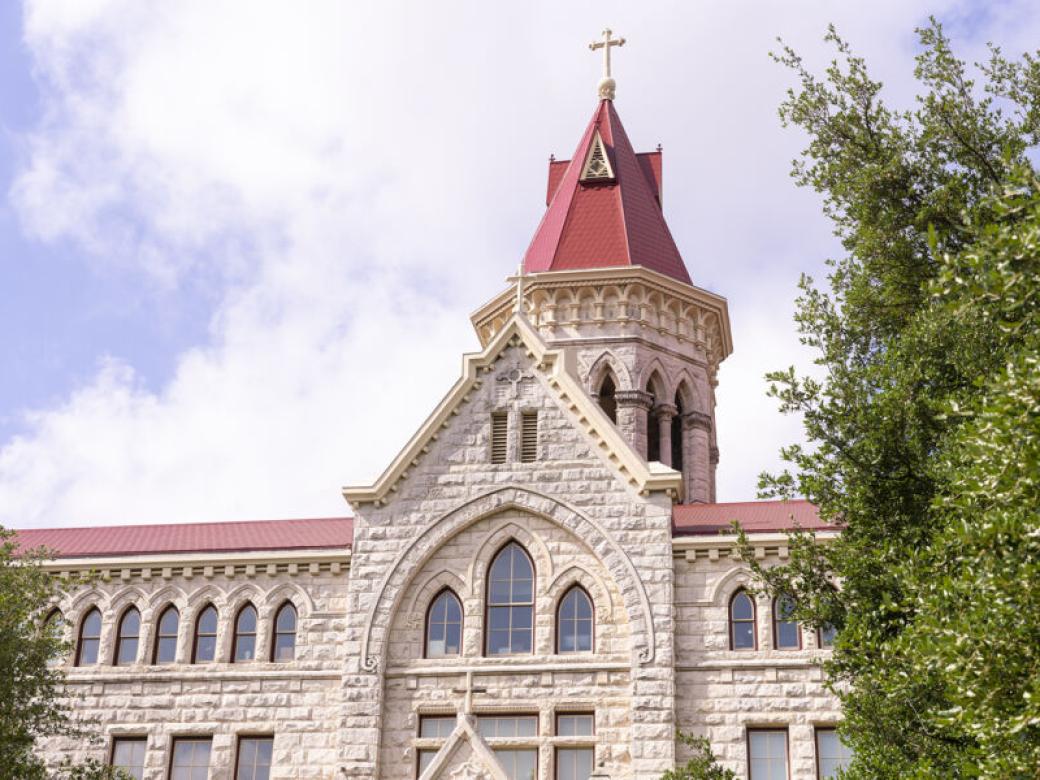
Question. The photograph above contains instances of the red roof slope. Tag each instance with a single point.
(753, 516)
(605, 223)
(245, 536)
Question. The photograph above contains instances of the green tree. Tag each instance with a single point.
(702, 764)
(32, 697)
(924, 431)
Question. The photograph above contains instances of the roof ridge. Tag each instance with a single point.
(114, 526)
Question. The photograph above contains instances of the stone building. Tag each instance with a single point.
(540, 585)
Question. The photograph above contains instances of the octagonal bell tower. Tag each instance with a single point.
(604, 279)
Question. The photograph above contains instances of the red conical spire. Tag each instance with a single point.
(605, 214)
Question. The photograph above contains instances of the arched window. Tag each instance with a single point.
(786, 633)
(54, 627)
(742, 622)
(510, 602)
(608, 398)
(677, 435)
(574, 622)
(244, 645)
(204, 648)
(166, 636)
(444, 625)
(653, 421)
(89, 641)
(283, 646)
(127, 636)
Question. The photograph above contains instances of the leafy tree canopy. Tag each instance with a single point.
(924, 432)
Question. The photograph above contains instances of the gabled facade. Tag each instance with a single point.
(536, 587)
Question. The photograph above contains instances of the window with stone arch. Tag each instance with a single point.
(54, 626)
(574, 622)
(128, 636)
(509, 624)
(787, 635)
(88, 643)
(165, 650)
(204, 646)
(443, 626)
(607, 396)
(653, 420)
(283, 643)
(742, 633)
(243, 645)
(677, 427)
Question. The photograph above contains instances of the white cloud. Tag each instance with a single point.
(354, 179)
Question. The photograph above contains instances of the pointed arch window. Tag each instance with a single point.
(653, 424)
(89, 641)
(128, 637)
(742, 622)
(54, 627)
(165, 651)
(283, 647)
(204, 647)
(608, 397)
(244, 645)
(677, 434)
(444, 625)
(510, 602)
(786, 633)
(574, 622)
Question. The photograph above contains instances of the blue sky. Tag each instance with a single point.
(239, 242)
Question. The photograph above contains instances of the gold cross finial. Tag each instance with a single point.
(606, 84)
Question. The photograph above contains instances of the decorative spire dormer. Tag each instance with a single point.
(603, 278)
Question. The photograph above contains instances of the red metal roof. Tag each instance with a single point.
(753, 516)
(605, 223)
(243, 536)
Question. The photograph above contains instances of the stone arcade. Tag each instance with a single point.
(537, 586)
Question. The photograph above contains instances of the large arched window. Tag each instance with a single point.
(677, 434)
(444, 625)
(244, 645)
(653, 420)
(54, 627)
(510, 602)
(283, 645)
(204, 647)
(166, 636)
(742, 622)
(127, 637)
(786, 633)
(89, 640)
(574, 622)
(608, 397)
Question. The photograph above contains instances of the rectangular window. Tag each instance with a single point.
(826, 635)
(190, 760)
(436, 726)
(254, 758)
(492, 726)
(128, 755)
(499, 432)
(529, 437)
(573, 763)
(519, 764)
(574, 724)
(831, 753)
(767, 754)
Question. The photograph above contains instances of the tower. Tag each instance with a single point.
(604, 280)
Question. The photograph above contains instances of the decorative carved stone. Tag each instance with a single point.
(666, 411)
(637, 398)
(713, 456)
(697, 420)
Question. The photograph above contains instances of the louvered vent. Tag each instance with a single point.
(499, 431)
(529, 437)
(597, 166)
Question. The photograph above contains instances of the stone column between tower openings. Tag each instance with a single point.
(632, 409)
(665, 413)
(697, 466)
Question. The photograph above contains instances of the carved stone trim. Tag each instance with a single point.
(637, 398)
(697, 420)
(713, 455)
(665, 411)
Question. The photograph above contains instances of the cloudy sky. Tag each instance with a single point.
(239, 241)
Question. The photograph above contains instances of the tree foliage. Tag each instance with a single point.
(924, 431)
(32, 697)
(702, 764)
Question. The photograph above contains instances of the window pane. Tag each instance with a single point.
(168, 622)
(742, 608)
(285, 647)
(827, 635)
(247, 621)
(254, 758)
(88, 652)
(208, 621)
(444, 626)
(127, 650)
(166, 650)
(743, 636)
(206, 649)
(128, 755)
(245, 647)
(191, 759)
(574, 725)
(493, 726)
(90, 639)
(831, 753)
(768, 750)
(518, 764)
(286, 618)
(437, 726)
(573, 763)
(425, 759)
